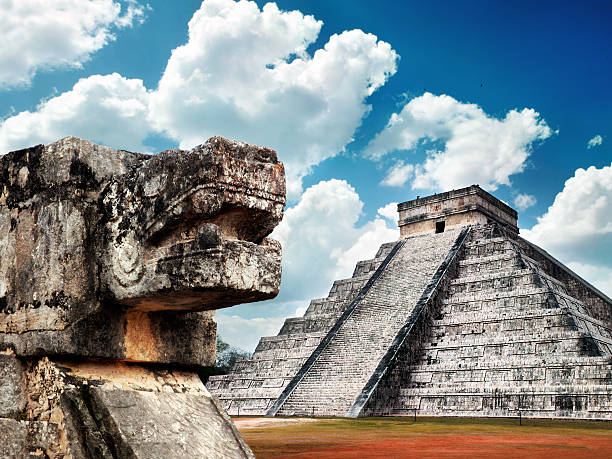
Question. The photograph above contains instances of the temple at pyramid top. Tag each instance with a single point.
(467, 206)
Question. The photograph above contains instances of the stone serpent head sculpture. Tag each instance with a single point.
(110, 254)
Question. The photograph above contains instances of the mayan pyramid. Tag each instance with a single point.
(460, 317)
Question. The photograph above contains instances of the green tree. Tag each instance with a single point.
(226, 357)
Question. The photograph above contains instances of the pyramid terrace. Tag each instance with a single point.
(460, 317)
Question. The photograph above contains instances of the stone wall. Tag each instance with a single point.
(466, 206)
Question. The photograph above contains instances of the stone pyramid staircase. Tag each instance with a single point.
(473, 321)
(332, 379)
(254, 384)
(516, 331)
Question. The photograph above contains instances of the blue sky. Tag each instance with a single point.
(514, 96)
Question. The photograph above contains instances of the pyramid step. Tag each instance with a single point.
(289, 341)
(506, 256)
(502, 389)
(384, 250)
(325, 306)
(547, 327)
(311, 324)
(525, 361)
(284, 354)
(367, 267)
(527, 319)
(514, 373)
(489, 275)
(590, 401)
(499, 340)
(270, 393)
(488, 247)
(470, 317)
(525, 295)
(515, 283)
(345, 288)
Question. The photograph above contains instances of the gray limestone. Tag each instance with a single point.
(510, 337)
(353, 353)
(462, 317)
(111, 266)
(254, 384)
(21, 439)
(97, 245)
(12, 375)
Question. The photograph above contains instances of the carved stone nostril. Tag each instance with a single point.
(208, 235)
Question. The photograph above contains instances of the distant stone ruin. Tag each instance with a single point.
(111, 264)
(460, 317)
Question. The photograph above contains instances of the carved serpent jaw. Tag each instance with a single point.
(187, 230)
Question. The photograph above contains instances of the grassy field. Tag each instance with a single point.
(427, 438)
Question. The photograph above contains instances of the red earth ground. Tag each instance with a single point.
(427, 438)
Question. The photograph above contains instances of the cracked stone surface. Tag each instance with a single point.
(105, 253)
(111, 262)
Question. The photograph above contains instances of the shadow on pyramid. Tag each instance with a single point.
(460, 317)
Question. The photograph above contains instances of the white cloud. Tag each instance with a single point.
(398, 174)
(477, 148)
(322, 241)
(595, 141)
(39, 34)
(107, 109)
(524, 201)
(244, 73)
(245, 333)
(577, 227)
(135, 13)
(373, 234)
(389, 212)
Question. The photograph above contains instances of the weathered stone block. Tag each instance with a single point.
(96, 243)
(23, 439)
(12, 386)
